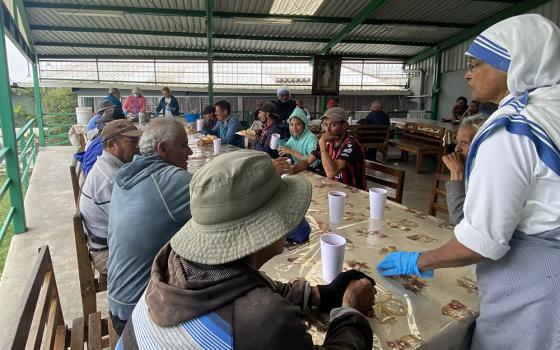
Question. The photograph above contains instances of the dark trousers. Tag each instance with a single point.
(118, 324)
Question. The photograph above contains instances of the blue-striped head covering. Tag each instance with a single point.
(526, 47)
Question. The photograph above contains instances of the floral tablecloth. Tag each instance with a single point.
(410, 312)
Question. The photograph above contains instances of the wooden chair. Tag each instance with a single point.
(40, 323)
(76, 176)
(89, 284)
(438, 192)
(421, 139)
(398, 185)
(374, 136)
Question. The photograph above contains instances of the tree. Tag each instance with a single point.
(59, 100)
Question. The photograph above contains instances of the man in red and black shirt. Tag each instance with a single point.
(341, 155)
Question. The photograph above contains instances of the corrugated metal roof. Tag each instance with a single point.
(364, 49)
(78, 51)
(271, 46)
(391, 32)
(457, 11)
(120, 39)
(297, 29)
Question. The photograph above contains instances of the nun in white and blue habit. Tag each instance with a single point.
(511, 225)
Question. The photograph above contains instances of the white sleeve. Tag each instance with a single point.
(500, 181)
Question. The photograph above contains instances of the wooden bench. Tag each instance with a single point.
(373, 136)
(373, 167)
(420, 139)
(89, 284)
(40, 323)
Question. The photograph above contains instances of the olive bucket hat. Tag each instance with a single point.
(239, 205)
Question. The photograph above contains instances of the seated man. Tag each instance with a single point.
(206, 287)
(455, 162)
(105, 111)
(115, 98)
(209, 116)
(150, 203)
(227, 126)
(341, 155)
(269, 119)
(120, 143)
(376, 116)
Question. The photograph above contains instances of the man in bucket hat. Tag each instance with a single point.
(205, 289)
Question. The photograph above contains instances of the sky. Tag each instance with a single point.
(17, 64)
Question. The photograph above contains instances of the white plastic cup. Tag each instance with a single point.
(217, 146)
(199, 125)
(336, 206)
(274, 141)
(350, 120)
(377, 200)
(332, 255)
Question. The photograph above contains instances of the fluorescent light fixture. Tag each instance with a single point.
(91, 13)
(261, 21)
(410, 27)
(291, 7)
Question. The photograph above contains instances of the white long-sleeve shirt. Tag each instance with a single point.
(509, 189)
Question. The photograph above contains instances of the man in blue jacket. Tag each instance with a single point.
(115, 98)
(227, 126)
(149, 204)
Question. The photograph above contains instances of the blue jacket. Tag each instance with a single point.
(119, 114)
(89, 156)
(149, 204)
(173, 106)
(376, 118)
(227, 130)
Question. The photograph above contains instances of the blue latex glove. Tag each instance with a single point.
(402, 263)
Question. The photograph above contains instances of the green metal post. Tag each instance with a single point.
(38, 108)
(437, 84)
(209, 30)
(9, 137)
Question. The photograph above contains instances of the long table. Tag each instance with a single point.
(410, 312)
(450, 128)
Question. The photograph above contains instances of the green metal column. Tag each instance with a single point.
(38, 108)
(437, 84)
(209, 29)
(9, 137)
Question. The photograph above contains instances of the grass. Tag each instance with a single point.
(5, 246)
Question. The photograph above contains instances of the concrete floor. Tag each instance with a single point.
(49, 207)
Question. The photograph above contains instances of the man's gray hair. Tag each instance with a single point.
(160, 130)
(113, 90)
(475, 121)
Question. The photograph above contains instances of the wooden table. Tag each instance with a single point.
(450, 128)
(409, 311)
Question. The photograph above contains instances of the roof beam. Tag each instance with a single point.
(15, 34)
(220, 36)
(222, 14)
(356, 21)
(258, 54)
(466, 34)
(210, 47)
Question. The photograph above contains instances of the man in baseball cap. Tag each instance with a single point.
(120, 143)
(341, 155)
(105, 112)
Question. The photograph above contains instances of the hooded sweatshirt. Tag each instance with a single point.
(149, 204)
(305, 143)
(230, 306)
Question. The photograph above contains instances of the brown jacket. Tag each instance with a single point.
(256, 312)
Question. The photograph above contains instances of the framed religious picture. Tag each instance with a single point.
(326, 75)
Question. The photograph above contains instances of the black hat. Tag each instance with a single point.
(270, 108)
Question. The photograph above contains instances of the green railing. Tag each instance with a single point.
(56, 129)
(27, 153)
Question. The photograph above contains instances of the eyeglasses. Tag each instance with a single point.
(472, 63)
